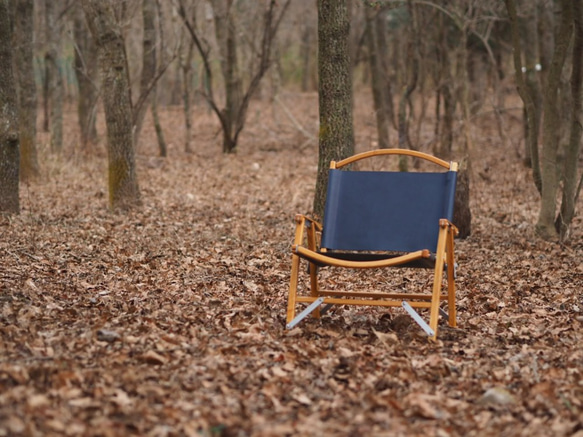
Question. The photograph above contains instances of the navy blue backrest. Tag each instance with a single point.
(386, 211)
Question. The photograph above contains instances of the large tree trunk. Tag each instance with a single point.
(122, 179)
(86, 73)
(9, 150)
(336, 136)
(27, 98)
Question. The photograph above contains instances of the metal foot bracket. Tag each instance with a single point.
(305, 313)
(422, 323)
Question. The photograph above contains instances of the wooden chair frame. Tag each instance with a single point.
(306, 246)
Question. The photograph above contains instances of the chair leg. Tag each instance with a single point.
(314, 290)
(438, 278)
(293, 288)
(451, 280)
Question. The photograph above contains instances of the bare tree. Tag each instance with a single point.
(122, 179)
(237, 96)
(9, 148)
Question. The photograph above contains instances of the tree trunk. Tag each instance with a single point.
(336, 136)
(225, 31)
(122, 179)
(187, 92)
(412, 62)
(527, 98)
(545, 226)
(86, 73)
(9, 147)
(570, 185)
(148, 65)
(27, 98)
(162, 147)
(377, 82)
(532, 83)
(54, 78)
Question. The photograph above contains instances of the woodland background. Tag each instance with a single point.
(169, 319)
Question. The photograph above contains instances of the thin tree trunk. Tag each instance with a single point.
(531, 82)
(86, 72)
(336, 136)
(27, 98)
(9, 147)
(412, 76)
(523, 91)
(162, 147)
(377, 82)
(568, 202)
(54, 77)
(225, 30)
(187, 77)
(551, 126)
(122, 179)
(148, 64)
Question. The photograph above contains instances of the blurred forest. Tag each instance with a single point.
(429, 65)
(169, 319)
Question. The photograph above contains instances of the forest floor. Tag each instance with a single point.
(169, 320)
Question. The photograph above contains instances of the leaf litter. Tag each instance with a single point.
(169, 321)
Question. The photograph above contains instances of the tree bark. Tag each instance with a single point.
(523, 91)
(148, 64)
(86, 72)
(570, 184)
(225, 31)
(336, 135)
(412, 62)
(377, 83)
(545, 226)
(122, 179)
(54, 78)
(27, 97)
(9, 143)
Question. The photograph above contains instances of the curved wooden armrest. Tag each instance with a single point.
(336, 262)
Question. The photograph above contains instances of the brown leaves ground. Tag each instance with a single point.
(170, 321)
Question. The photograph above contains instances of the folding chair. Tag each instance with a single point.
(376, 219)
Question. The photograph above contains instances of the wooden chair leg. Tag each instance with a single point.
(293, 288)
(438, 278)
(314, 290)
(451, 281)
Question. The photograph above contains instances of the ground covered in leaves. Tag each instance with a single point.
(169, 321)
